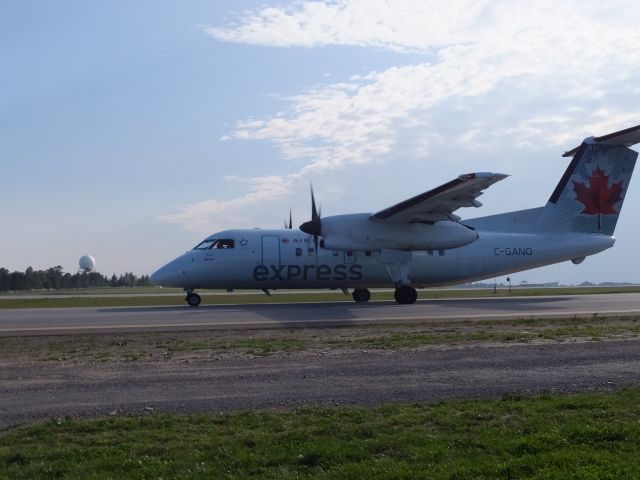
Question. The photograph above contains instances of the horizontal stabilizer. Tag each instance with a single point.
(624, 138)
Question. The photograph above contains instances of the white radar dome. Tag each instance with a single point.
(87, 263)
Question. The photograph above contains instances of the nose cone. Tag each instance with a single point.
(171, 275)
(161, 277)
(156, 277)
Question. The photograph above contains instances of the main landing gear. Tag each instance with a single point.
(405, 294)
(193, 299)
(398, 269)
(361, 295)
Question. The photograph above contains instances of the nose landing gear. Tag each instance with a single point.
(361, 295)
(193, 299)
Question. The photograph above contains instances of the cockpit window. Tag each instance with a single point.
(204, 245)
(221, 243)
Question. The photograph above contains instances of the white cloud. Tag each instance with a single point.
(210, 215)
(561, 52)
(397, 25)
(564, 131)
(495, 75)
(421, 25)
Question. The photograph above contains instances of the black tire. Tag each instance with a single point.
(193, 300)
(361, 295)
(405, 295)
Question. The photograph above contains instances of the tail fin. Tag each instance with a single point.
(590, 194)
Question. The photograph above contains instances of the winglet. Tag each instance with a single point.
(627, 137)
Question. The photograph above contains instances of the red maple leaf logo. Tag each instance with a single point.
(598, 197)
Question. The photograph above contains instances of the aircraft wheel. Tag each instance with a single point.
(193, 299)
(361, 294)
(405, 295)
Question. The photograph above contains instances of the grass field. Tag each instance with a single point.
(96, 291)
(203, 344)
(585, 436)
(151, 298)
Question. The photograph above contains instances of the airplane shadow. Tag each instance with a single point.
(341, 313)
(501, 303)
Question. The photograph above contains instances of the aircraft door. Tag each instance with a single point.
(271, 250)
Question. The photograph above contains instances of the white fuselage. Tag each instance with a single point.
(275, 259)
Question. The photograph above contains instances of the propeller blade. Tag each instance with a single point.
(314, 211)
(290, 219)
(313, 226)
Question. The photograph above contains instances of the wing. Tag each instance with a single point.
(440, 203)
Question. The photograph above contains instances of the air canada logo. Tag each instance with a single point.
(598, 197)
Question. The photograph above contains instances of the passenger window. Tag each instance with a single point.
(298, 252)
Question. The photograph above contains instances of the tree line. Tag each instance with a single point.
(55, 278)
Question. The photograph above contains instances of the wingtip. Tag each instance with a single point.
(471, 176)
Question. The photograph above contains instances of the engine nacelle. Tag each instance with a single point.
(360, 232)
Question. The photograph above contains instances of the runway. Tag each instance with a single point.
(62, 321)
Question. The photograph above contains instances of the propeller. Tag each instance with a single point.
(313, 226)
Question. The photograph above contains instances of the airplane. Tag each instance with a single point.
(420, 242)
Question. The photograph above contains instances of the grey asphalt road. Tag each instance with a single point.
(44, 391)
(127, 319)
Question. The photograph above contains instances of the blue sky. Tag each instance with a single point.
(131, 130)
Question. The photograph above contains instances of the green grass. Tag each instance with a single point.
(248, 345)
(152, 299)
(205, 344)
(497, 331)
(95, 291)
(585, 436)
